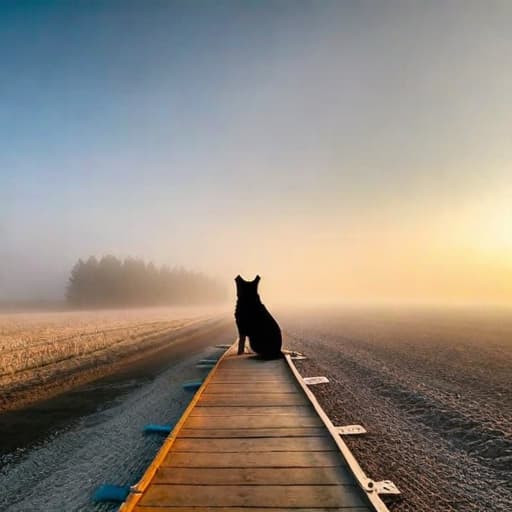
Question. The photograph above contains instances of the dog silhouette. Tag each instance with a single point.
(255, 322)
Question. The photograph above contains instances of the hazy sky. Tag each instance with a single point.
(343, 150)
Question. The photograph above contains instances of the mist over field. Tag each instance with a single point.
(344, 151)
(355, 155)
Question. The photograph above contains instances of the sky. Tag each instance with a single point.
(344, 151)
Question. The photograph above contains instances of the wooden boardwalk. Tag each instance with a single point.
(250, 440)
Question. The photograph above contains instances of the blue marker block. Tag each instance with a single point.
(157, 429)
(109, 492)
(192, 386)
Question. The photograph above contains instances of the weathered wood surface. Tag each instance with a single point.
(253, 460)
(252, 399)
(251, 442)
(248, 509)
(253, 476)
(252, 387)
(253, 432)
(297, 410)
(291, 496)
(237, 445)
(278, 421)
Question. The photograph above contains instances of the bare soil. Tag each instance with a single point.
(434, 390)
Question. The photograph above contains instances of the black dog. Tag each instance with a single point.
(254, 321)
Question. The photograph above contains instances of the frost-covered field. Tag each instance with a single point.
(432, 386)
(37, 348)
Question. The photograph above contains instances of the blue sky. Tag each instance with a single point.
(294, 139)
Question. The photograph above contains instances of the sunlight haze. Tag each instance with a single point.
(342, 150)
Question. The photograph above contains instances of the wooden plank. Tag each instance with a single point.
(281, 370)
(244, 388)
(280, 373)
(249, 509)
(292, 496)
(253, 370)
(253, 442)
(247, 370)
(256, 377)
(252, 377)
(252, 380)
(296, 410)
(252, 361)
(252, 432)
(254, 460)
(277, 421)
(254, 476)
(237, 445)
(253, 399)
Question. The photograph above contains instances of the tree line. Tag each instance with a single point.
(111, 282)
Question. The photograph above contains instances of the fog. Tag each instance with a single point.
(344, 151)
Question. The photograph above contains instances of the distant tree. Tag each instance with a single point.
(110, 282)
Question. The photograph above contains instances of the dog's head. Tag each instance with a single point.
(247, 289)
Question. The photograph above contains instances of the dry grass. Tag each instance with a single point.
(35, 345)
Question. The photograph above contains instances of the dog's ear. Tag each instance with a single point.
(257, 279)
(238, 278)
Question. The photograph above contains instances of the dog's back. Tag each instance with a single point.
(254, 321)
